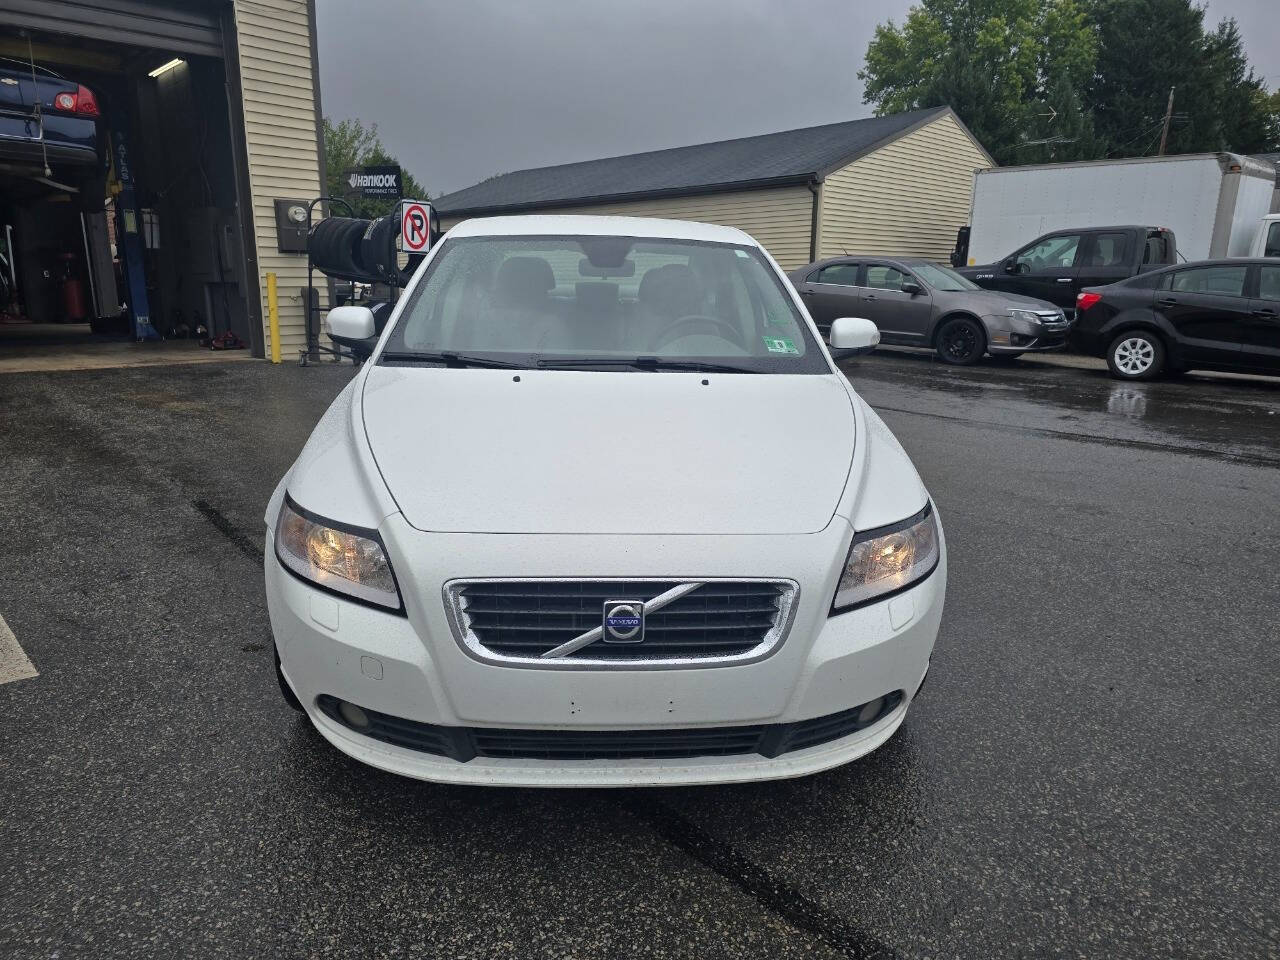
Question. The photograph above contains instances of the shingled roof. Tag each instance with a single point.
(772, 159)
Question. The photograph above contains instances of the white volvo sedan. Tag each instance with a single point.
(600, 511)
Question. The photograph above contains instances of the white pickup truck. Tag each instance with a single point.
(1266, 239)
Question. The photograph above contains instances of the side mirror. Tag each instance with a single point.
(353, 328)
(911, 287)
(854, 334)
(1011, 265)
(350, 323)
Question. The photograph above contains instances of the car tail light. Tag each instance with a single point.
(82, 101)
(1086, 300)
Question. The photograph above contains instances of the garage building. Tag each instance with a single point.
(899, 184)
(164, 217)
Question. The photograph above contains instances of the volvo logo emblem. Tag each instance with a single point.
(623, 621)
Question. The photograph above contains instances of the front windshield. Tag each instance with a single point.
(942, 278)
(604, 302)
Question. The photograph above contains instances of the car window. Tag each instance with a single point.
(1109, 250)
(1051, 253)
(1148, 281)
(1269, 283)
(1272, 248)
(844, 274)
(1222, 281)
(1157, 249)
(943, 278)
(527, 299)
(883, 277)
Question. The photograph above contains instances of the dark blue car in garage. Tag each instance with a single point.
(46, 120)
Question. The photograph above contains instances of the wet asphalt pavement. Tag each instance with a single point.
(1091, 770)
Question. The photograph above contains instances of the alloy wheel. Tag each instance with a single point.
(1134, 356)
(961, 341)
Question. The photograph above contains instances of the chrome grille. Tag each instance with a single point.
(517, 621)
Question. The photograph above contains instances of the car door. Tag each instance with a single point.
(831, 292)
(1262, 342)
(1046, 269)
(902, 317)
(1208, 310)
(1105, 258)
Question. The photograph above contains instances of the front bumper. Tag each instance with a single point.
(1007, 335)
(412, 667)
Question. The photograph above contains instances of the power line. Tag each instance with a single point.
(1141, 133)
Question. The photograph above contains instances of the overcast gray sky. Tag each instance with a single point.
(465, 89)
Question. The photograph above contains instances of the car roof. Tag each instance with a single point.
(553, 225)
(1105, 227)
(886, 258)
(1218, 261)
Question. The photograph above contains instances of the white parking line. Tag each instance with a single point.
(14, 663)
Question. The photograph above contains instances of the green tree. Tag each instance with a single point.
(995, 62)
(350, 144)
(1146, 48)
(1074, 79)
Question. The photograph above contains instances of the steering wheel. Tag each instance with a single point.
(689, 325)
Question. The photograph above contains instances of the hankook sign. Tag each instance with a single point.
(384, 181)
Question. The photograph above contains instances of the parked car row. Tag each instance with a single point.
(1115, 292)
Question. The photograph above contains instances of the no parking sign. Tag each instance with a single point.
(415, 226)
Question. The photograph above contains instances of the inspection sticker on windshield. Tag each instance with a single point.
(779, 345)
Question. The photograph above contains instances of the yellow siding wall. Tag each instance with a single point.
(907, 198)
(280, 132)
(779, 219)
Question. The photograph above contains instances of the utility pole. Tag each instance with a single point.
(1168, 118)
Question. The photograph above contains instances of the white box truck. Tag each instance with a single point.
(1212, 202)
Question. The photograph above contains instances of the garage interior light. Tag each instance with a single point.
(166, 67)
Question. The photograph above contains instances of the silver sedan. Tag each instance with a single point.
(919, 303)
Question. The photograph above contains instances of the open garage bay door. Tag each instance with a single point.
(191, 28)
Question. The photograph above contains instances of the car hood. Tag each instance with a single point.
(477, 450)
(993, 301)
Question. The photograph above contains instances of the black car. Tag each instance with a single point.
(45, 118)
(1058, 265)
(1210, 315)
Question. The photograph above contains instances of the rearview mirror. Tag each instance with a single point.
(854, 334)
(911, 287)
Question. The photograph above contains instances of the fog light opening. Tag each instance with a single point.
(870, 711)
(353, 716)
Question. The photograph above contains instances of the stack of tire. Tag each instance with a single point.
(347, 248)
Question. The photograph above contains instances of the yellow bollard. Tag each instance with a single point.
(273, 317)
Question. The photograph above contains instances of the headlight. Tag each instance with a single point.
(888, 559)
(1026, 316)
(347, 560)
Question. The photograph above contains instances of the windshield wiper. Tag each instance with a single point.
(643, 363)
(448, 358)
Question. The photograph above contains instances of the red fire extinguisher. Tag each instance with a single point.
(71, 290)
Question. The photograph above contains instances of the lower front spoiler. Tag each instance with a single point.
(704, 770)
(1026, 344)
